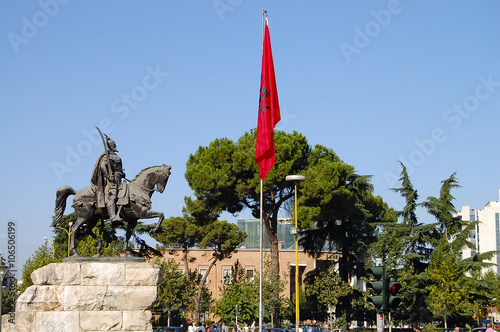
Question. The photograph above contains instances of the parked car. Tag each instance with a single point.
(273, 329)
(480, 329)
(167, 329)
(304, 327)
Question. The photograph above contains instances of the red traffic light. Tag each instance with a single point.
(393, 287)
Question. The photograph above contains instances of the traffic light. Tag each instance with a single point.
(379, 285)
(393, 298)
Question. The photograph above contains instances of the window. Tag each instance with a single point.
(202, 272)
(226, 276)
(250, 274)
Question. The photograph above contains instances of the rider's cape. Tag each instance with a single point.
(98, 179)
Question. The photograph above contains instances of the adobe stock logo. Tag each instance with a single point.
(223, 6)
(30, 28)
(286, 118)
(453, 116)
(363, 37)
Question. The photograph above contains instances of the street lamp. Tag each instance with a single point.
(67, 232)
(3, 271)
(53, 247)
(296, 179)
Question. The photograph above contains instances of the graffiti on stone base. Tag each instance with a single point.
(51, 326)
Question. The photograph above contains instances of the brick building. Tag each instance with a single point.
(248, 255)
(250, 261)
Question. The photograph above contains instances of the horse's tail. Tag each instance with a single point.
(61, 196)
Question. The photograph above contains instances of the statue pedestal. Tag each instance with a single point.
(89, 294)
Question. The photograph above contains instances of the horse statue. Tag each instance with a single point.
(140, 188)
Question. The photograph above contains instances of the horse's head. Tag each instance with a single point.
(162, 175)
(151, 178)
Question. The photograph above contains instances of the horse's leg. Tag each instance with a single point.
(84, 215)
(74, 229)
(96, 238)
(153, 214)
(130, 229)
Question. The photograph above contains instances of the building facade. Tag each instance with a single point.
(486, 235)
(248, 255)
(220, 274)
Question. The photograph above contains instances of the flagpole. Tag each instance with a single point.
(260, 251)
(264, 12)
(261, 240)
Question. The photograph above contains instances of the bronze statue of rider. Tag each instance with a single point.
(107, 177)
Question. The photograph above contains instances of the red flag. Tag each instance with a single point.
(269, 110)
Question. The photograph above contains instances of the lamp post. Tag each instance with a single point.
(67, 232)
(296, 179)
(3, 271)
(53, 247)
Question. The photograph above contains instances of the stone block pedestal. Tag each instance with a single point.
(89, 295)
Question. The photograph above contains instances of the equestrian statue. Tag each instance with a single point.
(110, 198)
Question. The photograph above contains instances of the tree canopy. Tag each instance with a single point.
(338, 207)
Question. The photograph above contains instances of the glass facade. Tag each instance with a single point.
(252, 228)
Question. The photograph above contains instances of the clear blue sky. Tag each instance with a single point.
(376, 81)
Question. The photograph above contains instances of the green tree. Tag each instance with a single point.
(184, 232)
(339, 211)
(223, 238)
(224, 177)
(61, 237)
(87, 246)
(289, 309)
(241, 291)
(490, 295)
(187, 231)
(457, 285)
(482, 297)
(449, 291)
(273, 285)
(41, 257)
(179, 232)
(9, 298)
(480, 284)
(405, 247)
(112, 243)
(175, 290)
(244, 292)
(443, 210)
(328, 288)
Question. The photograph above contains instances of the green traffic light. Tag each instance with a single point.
(377, 300)
(377, 271)
(379, 287)
(393, 302)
